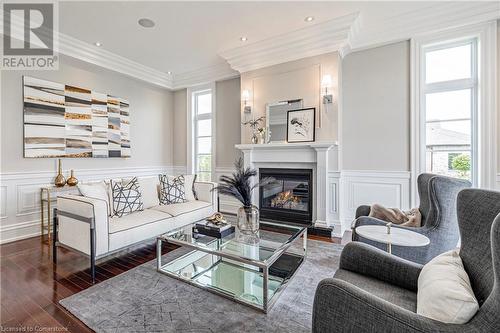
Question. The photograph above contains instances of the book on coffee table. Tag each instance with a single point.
(210, 229)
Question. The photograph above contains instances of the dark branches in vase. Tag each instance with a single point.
(239, 184)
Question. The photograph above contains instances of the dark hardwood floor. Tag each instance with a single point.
(31, 286)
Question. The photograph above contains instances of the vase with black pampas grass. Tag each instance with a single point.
(239, 186)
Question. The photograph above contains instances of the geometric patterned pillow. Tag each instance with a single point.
(172, 190)
(126, 198)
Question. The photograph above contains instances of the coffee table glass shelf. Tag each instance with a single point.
(251, 270)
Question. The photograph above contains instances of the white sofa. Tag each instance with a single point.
(84, 224)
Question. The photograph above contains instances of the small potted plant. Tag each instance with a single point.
(239, 186)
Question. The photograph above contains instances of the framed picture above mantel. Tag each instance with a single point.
(301, 125)
(61, 120)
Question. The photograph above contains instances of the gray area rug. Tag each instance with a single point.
(143, 300)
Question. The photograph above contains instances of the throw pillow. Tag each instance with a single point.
(444, 290)
(189, 191)
(148, 186)
(126, 197)
(172, 190)
(95, 191)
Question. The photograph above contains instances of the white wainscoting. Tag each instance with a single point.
(389, 188)
(20, 195)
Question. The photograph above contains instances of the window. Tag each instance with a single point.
(453, 105)
(202, 138)
(449, 103)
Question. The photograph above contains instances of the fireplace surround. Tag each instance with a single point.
(289, 198)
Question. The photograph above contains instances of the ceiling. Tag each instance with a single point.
(199, 42)
(190, 35)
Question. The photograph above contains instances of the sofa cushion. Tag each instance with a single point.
(182, 208)
(117, 224)
(149, 191)
(399, 296)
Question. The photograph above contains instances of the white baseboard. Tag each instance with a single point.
(20, 195)
(498, 181)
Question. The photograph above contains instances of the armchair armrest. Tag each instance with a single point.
(367, 260)
(363, 210)
(205, 192)
(342, 307)
(76, 215)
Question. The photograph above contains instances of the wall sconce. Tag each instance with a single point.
(245, 96)
(326, 83)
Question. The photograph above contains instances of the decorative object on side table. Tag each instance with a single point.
(253, 125)
(239, 186)
(60, 181)
(301, 125)
(72, 181)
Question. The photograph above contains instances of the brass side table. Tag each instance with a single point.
(48, 196)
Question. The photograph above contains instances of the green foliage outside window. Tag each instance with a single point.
(462, 164)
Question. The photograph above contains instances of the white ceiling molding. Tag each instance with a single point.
(316, 39)
(90, 53)
(219, 72)
(429, 19)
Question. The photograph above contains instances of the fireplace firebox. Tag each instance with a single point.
(289, 199)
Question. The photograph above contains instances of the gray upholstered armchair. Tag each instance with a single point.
(438, 196)
(374, 291)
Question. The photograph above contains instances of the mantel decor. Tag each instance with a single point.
(68, 121)
(239, 186)
(301, 125)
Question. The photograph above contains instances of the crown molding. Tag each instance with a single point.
(78, 49)
(314, 40)
(425, 20)
(205, 75)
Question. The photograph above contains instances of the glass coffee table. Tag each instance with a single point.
(251, 270)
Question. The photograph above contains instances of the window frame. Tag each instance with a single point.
(192, 121)
(452, 85)
(485, 114)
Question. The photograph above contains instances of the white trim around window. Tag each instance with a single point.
(487, 140)
(190, 154)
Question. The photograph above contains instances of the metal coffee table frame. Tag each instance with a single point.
(261, 265)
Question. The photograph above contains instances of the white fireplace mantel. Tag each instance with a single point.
(320, 156)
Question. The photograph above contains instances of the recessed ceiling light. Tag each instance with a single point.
(169, 73)
(98, 44)
(146, 23)
(309, 19)
(243, 39)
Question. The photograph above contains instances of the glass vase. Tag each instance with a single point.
(248, 220)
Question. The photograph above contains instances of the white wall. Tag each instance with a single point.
(293, 80)
(498, 104)
(376, 109)
(227, 123)
(180, 127)
(151, 117)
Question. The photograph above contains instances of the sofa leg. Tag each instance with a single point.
(92, 254)
(54, 237)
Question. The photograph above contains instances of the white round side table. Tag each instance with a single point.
(392, 236)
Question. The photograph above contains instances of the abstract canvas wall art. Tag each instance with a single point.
(67, 121)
